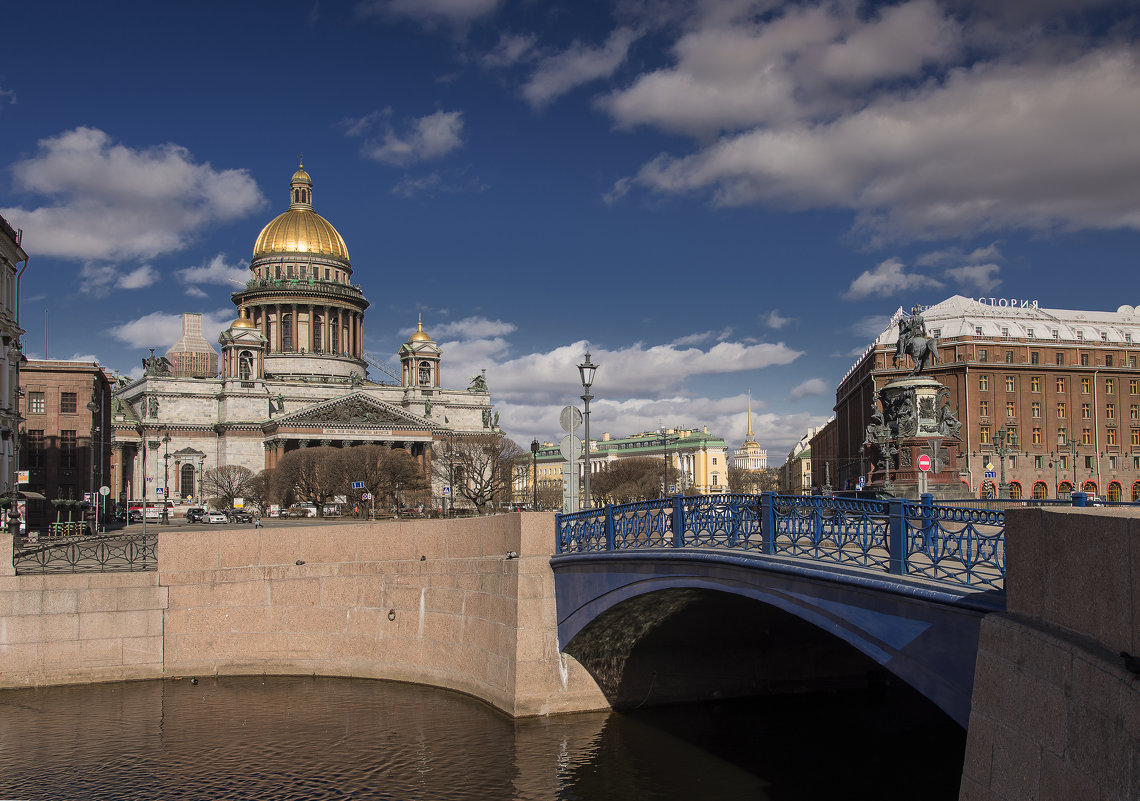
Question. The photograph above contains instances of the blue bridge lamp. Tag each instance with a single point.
(587, 370)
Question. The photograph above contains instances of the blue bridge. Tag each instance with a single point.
(732, 595)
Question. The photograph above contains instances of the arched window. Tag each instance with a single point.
(1040, 490)
(1065, 487)
(186, 481)
(245, 365)
(1089, 487)
(318, 324)
(1115, 492)
(988, 490)
(1015, 490)
(425, 374)
(1136, 490)
(333, 341)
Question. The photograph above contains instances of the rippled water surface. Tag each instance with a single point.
(323, 738)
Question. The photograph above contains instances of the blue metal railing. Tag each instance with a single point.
(945, 543)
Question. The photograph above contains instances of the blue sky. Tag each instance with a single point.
(714, 196)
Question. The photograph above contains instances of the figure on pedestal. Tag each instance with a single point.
(913, 340)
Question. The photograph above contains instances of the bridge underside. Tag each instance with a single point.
(657, 628)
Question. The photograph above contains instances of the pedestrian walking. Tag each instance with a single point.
(257, 520)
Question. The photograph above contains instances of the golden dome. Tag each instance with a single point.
(420, 336)
(243, 320)
(300, 229)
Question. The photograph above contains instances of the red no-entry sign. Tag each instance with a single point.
(924, 463)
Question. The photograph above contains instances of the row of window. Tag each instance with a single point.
(1062, 410)
(1111, 436)
(34, 448)
(1035, 384)
(303, 272)
(1059, 357)
(1055, 333)
(68, 403)
(1041, 490)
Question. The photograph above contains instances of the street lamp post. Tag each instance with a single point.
(587, 370)
(1005, 442)
(534, 446)
(165, 476)
(92, 407)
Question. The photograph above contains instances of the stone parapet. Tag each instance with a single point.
(1056, 712)
(446, 603)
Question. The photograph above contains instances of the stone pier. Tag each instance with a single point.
(1056, 713)
(430, 602)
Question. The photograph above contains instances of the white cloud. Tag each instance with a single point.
(160, 330)
(423, 138)
(952, 129)
(774, 319)
(980, 277)
(813, 386)
(473, 328)
(888, 278)
(577, 65)
(139, 278)
(430, 12)
(111, 203)
(216, 271)
(511, 49)
(7, 96)
(625, 372)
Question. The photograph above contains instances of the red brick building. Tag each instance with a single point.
(65, 443)
(1066, 382)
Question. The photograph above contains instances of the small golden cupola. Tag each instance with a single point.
(419, 360)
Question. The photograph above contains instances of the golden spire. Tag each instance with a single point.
(420, 336)
(749, 414)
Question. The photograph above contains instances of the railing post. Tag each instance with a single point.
(609, 526)
(927, 517)
(896, 536)
(678, 522)
(558, 533)
(1080, 498)
(767, 523)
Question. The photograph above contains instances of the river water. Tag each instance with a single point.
(330, 738)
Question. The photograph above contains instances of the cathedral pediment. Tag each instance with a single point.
(356, 410)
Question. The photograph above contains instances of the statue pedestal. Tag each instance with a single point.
(920, 427)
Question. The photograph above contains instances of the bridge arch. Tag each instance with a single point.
(615, 612)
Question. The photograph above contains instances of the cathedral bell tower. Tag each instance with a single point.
(243, 353)
(419, 361)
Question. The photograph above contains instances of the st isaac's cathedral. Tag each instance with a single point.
(293, 374)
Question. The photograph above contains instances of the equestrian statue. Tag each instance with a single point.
(913, 340)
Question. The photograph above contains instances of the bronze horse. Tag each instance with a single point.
(920, 349)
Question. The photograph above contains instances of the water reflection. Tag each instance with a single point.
(318, 738)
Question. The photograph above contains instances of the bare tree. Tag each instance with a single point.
(752, 481)
(626, 481)
(309, 474)
(223, 484)
(259, 491)
(478, 468)
(384, 472)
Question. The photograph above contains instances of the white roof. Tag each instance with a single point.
(959, 316)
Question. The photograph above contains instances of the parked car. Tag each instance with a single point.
(302, 510)
(195, 514)
(240, 516)
(215, 517)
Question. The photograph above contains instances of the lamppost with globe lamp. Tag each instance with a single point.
(165, 476)
(587, 370)
(1005, 442)
(93, 407)
(534, 446)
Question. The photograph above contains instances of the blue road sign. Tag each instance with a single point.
(358, 485)
(991, 474)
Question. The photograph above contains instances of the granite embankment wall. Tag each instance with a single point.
(1056, 713)
(431, 602)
